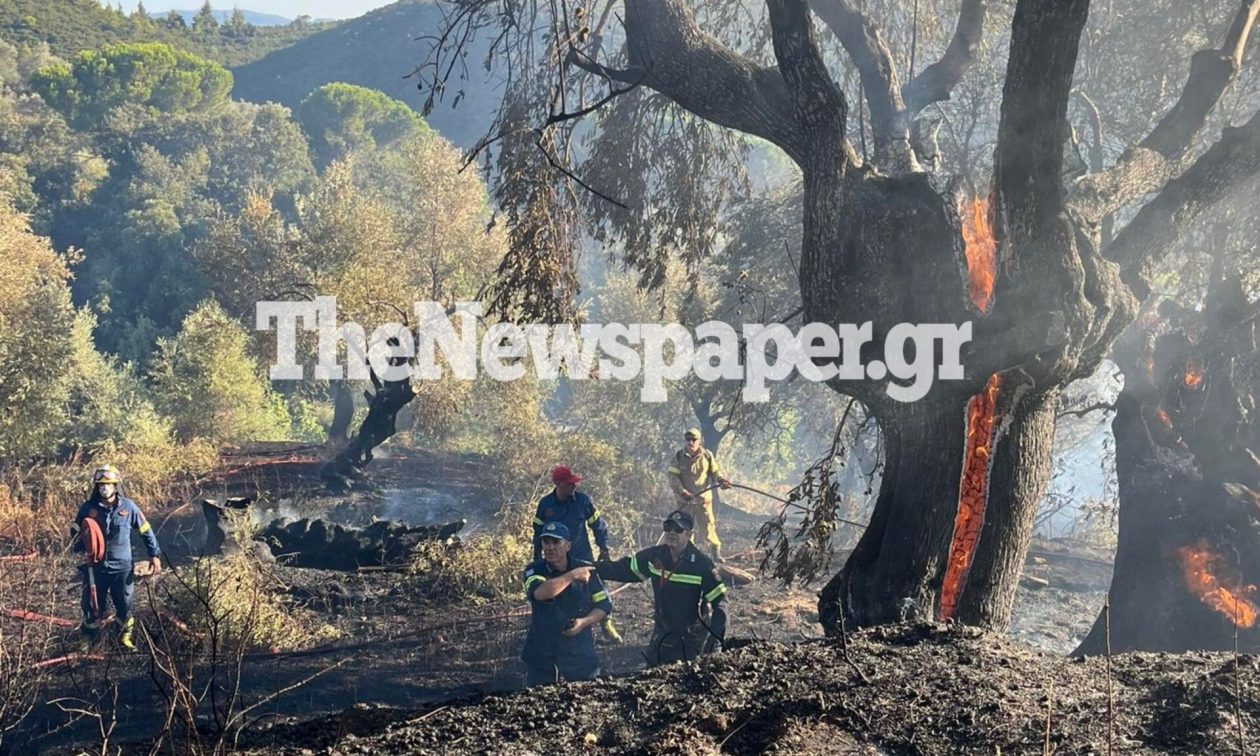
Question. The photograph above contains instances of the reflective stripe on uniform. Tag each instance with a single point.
(599, 596)
(538, 521)
(634, 567)
(716, 593)
(593, 518)
(534, 579)
(674, 577)
(673, 469)
(145, 527)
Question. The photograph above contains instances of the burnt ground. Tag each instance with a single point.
(401, 656)
(901, 689)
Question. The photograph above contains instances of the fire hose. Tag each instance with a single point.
(767, 494)
(93, 540)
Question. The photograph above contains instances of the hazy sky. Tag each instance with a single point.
(286, 8)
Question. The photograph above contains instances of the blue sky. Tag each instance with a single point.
(286, 8)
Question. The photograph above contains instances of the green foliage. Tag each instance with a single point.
(341, 118)
(148, 75)
(70, 26)
(36, 317)
(44, 165)
(206, 380)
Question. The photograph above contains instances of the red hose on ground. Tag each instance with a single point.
(67, 659)
(22, 614)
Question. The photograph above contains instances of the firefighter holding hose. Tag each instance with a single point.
(104, 526)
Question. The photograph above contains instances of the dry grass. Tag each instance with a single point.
(236, 599)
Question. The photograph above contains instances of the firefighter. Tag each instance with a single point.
(566, 599)
(684, 582)
(692, 470)
(109, 575)
(575, 509)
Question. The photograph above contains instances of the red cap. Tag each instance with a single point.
(562, 474)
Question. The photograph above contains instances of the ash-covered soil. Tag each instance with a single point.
(903, 689)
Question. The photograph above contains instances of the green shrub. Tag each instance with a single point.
(482, 567)
(211, 387)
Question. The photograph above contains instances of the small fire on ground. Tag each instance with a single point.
(973, 492)
(1200, 567)
(980, 247)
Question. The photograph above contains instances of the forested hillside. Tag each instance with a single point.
(68, 26)
(378, 50)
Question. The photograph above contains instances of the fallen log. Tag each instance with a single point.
(383, 545)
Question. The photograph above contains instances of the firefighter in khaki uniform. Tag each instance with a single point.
(692, 469)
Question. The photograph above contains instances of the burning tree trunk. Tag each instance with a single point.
(888, 244)
(1188, 559)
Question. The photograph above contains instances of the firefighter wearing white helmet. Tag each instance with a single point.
(104, 524)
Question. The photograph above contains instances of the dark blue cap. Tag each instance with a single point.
(555, 530)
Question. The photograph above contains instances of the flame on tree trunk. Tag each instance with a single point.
(981, 251)
(1200, 566)
(972, 492)
(981, 254)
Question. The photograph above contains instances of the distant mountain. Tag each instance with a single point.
(376, 50)
(251, 17)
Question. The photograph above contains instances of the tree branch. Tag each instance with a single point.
(700, 74)
(1144, 168)
(818, 103)
(865, 45)
(936, 81)
(1215, 175)
(1028, 164)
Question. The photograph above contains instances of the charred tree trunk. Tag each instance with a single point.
(1017, 480)
(1188, 557)
(343, 415)
(346, 469)
(894, 572)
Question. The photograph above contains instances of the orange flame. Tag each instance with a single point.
(980, 247)
(1194, 374)
(973, 493)
(1198, 565)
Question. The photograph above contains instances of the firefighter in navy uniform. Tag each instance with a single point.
(684, 581)
(566, 599)
(112, 578)
(573, 508)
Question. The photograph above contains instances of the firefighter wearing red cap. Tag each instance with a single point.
(105, 523)
(575, 509)
(566, 504)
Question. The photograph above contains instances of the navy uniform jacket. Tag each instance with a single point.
(543, 643)
(678, 587)
(117, 524)
(576, 513)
